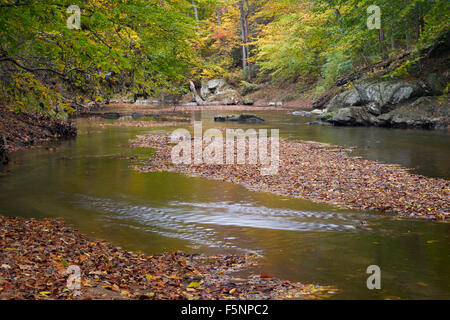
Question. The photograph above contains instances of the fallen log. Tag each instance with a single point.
(195, 95)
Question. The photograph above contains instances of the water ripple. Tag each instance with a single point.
(209, 223)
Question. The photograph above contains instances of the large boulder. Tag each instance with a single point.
(396, 103)
(343, 100)
(436, 83)
(217, 91)
(353, 116)
(212, 87)
(383, 94)
(425, 112)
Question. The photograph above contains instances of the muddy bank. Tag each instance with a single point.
(21, 130)
(321, 173)
(36, 255)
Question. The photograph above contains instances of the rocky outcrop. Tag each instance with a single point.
(392, 103)
(425, 112)
(353, 115)
(215, 92)
(384, 94)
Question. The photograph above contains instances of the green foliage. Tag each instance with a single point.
(135, 45)
(153, 46)
(331, 37)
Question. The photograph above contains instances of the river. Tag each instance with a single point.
(88, 182)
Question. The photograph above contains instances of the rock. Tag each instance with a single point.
(137, 115)
(436, 84)
(343, 100)
(327, 117)
(353, 116)
(392, 92)
(374, 108)
(218, 92)
(143, 102)
(318, 123)
(243, 118)
(424, 112)
(385, 94)
(396, 103)
(213, 87)
(317, 112)
(275, 104)
(301, 113)
(111, 115)
(189, 104)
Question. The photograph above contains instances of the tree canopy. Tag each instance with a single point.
(157, 45)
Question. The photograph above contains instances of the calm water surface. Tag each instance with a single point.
(88, 182)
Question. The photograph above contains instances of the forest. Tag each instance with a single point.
(159, 46)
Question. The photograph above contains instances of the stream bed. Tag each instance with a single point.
(89, 182)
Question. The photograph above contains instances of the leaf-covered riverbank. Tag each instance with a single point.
(322, 173)
(36, 254)
(24, 129)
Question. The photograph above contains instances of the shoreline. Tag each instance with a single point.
(23, 130)
(38, 253)
(321, 173)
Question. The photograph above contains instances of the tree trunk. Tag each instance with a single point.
(219, 16)
(339, 18)
(243, 36)
(384, 53)
(408, 40)
(195, 14)
(244, 31)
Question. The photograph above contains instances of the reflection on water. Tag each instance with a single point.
(89, 184)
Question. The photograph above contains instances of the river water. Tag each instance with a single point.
(88, 182)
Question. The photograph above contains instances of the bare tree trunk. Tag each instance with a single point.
(219, 16)
(243, 35)
(195, 14)
(408, 40)
(339, 18)
(384, 53)
(244, 30)
(420, 23)
(392, 36)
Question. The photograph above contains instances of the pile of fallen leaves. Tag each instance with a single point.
(321, 173)
(36, 254)
(25, 129)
